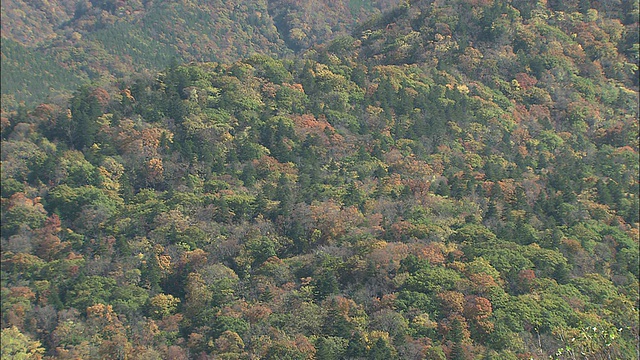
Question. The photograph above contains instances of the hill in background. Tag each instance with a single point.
(50, 47)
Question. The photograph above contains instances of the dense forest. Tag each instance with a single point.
(448, 180)
(50, 47)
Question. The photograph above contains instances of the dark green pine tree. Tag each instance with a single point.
(326, 283)
(604, 196)
(326, 350)
(357, 348)
(85, 111)
(248, 175)
(307, 79)
(152, 274)
(359, 76)
(457, 336)
(381, 351)
(284, 194)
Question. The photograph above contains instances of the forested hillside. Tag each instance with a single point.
(51, 47)
(453, 180)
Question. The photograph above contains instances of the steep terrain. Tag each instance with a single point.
(453, 180)
(49, 48)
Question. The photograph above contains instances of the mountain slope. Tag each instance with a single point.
(100, 40)
(473, 199)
